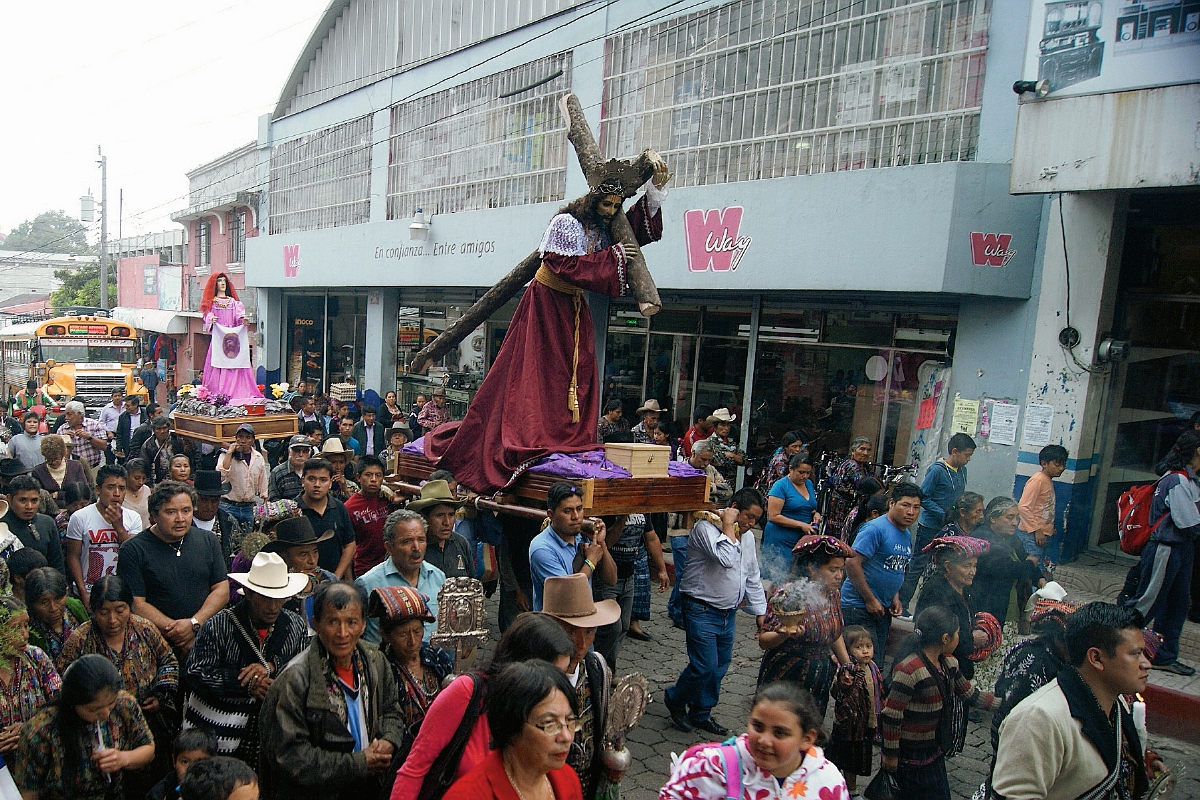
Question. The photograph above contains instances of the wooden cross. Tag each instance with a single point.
(631, 176)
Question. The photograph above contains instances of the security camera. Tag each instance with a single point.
(1039, 88)
(1111, 351)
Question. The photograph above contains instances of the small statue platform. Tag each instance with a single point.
(601, 496)
(220, 430)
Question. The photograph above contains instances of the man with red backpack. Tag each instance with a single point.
(1163, 592)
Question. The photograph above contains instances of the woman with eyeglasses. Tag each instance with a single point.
(533, 716)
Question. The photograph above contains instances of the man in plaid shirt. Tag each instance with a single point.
(89, 436)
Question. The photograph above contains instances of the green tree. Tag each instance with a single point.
(50, 232)
(80, 287)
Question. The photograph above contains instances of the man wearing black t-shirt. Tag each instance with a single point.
(327, 513)
(175, 570)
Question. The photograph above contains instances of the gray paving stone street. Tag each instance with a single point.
(653, 742)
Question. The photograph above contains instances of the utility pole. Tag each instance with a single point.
(103, 162)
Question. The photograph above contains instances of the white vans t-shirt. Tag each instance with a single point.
(100, 546)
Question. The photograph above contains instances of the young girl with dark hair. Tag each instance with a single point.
(779, 755)
(78, 748)
(921, 722)
(868, 489)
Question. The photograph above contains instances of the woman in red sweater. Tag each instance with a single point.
(534, 715)
(455, 736)
(921, 726)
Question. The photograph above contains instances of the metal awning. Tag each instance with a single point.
(152, 319)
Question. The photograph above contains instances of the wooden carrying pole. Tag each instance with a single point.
(481, 503)
(595, 170)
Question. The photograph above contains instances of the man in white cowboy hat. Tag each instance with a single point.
(335, 453)
(448, 551)
(727, 456)
(568, 599)
(650, 412)
(239, 652)
(404, 537)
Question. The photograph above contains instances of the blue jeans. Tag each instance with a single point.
(918, 563)
(880, 628)
(710, 650)
(1164, 593)
(242, 513)
(679, 559)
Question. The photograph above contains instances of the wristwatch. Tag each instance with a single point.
(195, 625)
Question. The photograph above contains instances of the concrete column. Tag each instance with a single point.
(271, 329)
(383, 309)
(381, 126)
(1069, 383)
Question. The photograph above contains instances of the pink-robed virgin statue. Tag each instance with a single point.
(227, 367)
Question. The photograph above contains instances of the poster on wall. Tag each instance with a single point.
(1093, 46)
(306, 358)
(966, 417)
(926, 443)
(1039, 423)
(1004, 423)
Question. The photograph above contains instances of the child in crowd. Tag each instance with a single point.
(181, 468)
(75, 496)
(779, 755)
(1037, 506)
(190, 747)
(220, 778)
(664, 437)
(858, 699)
(137, 493)
(925, 680)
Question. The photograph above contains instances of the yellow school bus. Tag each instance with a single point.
(78, 356)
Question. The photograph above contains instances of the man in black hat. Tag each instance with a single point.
(299, 547)
(209, 516)
(9, 469)
(285, 482)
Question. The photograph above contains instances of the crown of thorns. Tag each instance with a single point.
(621, 178)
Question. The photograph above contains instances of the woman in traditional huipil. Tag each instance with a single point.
(806, 656)
(227, 367)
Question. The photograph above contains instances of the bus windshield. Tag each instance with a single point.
(92, 351)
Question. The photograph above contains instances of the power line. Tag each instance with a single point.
(625, 27)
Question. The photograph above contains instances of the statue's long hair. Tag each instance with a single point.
(210, 291)
(584, 209)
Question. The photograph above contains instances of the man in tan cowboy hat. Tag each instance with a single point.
(650, 412)
(568, 599)
(335, 453)
(447, 550)
(231, 667)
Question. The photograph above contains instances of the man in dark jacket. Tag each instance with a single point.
(144, 431)
(129, 421)
(36, 531)
(334, 711)
(369, 433)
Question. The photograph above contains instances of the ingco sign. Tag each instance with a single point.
(991, 249)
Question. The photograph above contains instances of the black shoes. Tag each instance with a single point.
(680, 721)
(710, 725)
(641, 636)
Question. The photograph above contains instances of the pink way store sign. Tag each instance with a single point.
(291, 260)
(713, 239)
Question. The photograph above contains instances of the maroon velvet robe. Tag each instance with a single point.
(520, 412)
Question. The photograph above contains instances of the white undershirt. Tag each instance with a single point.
(204, 526)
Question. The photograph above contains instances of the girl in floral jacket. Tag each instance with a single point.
(777, 756)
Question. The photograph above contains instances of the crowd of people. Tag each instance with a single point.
(252, 621)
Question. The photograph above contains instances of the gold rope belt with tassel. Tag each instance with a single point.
(548, 279)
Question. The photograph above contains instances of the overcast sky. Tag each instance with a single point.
(163, 86)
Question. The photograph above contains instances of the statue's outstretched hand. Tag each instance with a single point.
(662, 173)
